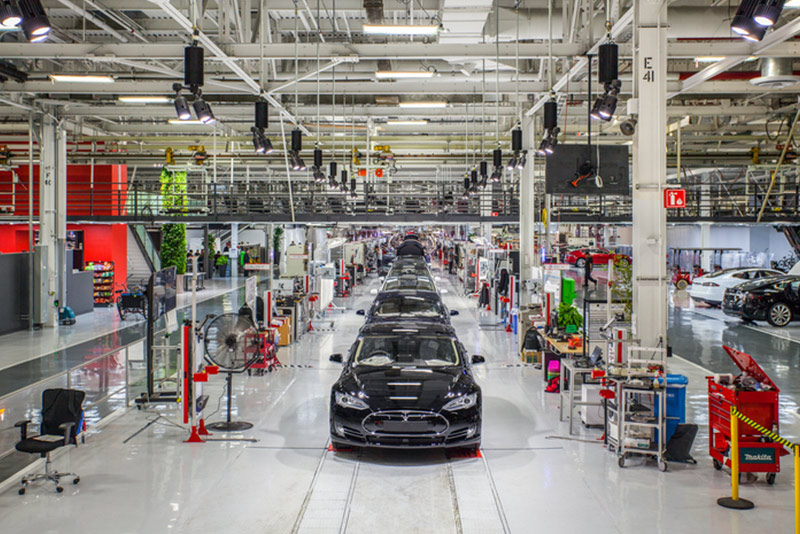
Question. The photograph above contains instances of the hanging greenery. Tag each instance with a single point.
(621, 286)
(569, 315)
(173, 247)
(277, 236)
(173, 190)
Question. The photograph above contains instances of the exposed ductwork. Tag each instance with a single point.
(374, 10)
(463, 20)
(776, 72)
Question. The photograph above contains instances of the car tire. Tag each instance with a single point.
(779, 314)
(580, 262)
(682, 284)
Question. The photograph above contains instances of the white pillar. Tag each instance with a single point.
(649, 176)
(233, 256)
(48, 227)
(706, 256)
(526, 213)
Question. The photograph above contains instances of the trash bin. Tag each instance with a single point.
(676, 403)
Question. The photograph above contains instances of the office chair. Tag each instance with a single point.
(62, 419)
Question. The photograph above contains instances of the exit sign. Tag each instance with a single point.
(674, 198)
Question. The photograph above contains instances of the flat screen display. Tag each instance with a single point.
(584, 170)
(165, 291)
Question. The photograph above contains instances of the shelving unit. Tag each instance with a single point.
(103, 282)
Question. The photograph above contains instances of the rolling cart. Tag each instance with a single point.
(755, 395)
(267, 348)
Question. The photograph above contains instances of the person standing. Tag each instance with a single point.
(587, 271)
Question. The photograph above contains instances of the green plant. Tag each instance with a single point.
(212, 244)
(569, 315)
(173, 246)
(173, 189)
(621, 286)
(222, 260)
(277, 237)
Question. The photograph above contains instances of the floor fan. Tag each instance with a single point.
(231, 342)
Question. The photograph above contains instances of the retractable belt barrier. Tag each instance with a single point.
(734, 502)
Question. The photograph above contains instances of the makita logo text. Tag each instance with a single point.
(748, 457)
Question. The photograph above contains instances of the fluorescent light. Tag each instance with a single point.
(81, 78)
(792, 4)
(423, 104)
(190, 122)
(709, 59)
(144, 99)
(407, 123)
(384, 74)
(398, 29)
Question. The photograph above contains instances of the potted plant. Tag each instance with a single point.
(568, 315)
(173, 249)
(222, 265)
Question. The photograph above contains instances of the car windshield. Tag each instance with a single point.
(715, 274)
(406, 351)
(408, 306)
(424, 284)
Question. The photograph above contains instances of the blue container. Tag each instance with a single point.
(676, 403)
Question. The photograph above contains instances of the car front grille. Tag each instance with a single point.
(405, 423)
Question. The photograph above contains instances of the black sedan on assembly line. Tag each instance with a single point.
(775, 299)
(392, 306)
(406, 385)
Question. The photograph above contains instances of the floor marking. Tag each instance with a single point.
(350, 492)
(310, 490)
(693, 364)
(454, 498)
(760, 329)
(497, 503)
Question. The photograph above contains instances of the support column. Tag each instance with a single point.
(47, 250)
(526, 214)
(706, 256)
(234, 251)
(649, 176)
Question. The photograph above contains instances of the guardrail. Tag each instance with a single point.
(734, 501)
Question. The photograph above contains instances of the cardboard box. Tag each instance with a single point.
(531, 356)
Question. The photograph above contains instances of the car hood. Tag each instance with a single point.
(395, 388)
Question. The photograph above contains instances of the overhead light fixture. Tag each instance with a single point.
(9, 14)
(767, 12)
(756, 34)
(512, 164)
(427, 105)
(400, 29)
(522, 160)
(35, 23)
(708, 59)
(421, 122)
(203, 111)
(144, 99)
(743, 22)
(605, 106)
(81, 78)
(260, 141)
(397, 74)
(187, 122)
(792, 4)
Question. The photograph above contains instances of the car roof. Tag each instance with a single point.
(406, 327)
(767, 280)
(405, 293)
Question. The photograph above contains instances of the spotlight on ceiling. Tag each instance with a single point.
(512, 164)
(522, 160)
(203, 111)
(767, 12)
(9, 14)
(551, 129)
(353, 188)
(182, 108)
(35, 24)
(605, 106)
(259, 140)
(628, 126)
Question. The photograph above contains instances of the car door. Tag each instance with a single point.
(601, 256)
(792, 292)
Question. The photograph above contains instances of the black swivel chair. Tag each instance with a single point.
(62, 415)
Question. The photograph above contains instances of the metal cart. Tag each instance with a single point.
(757, 454)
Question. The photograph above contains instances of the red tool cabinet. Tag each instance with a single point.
(757, 454)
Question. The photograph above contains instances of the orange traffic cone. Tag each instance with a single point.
(201, 430)
(195, 437)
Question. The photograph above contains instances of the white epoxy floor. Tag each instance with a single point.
(527, 480)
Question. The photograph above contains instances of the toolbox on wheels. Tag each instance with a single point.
(759, 402)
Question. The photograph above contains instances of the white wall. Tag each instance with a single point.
(753, 239)
(253, 237)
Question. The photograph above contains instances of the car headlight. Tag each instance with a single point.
(348, 401)
(462, 402)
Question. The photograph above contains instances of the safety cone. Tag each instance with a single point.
(310, 326)
(508, 327)
(195, 437)
(201, 430)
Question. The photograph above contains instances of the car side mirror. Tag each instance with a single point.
(453, 312)
(477, 358)
(336, 358)
(361, 312)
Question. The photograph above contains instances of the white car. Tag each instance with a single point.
(710, 288)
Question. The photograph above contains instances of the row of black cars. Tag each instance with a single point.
(775, 299)
(407, 380)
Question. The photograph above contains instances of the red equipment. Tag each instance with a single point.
(267, 353)
(757, 454)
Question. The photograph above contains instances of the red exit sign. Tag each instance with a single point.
(674, 198)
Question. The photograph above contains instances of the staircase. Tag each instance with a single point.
(143, 259)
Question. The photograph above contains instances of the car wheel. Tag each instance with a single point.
(681, 284)
(580, 262)
(779, 314)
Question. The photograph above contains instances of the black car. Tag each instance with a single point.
(406, 385)
(774, 299)
(408, 282)
(424, 306)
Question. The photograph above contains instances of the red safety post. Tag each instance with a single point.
(187, 399)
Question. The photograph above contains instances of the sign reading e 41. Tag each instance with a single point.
(674, 198)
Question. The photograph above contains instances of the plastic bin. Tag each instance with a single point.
(676, 403)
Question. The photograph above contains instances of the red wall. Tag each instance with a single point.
(108, 196)
(101, 242)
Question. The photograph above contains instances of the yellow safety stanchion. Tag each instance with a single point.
(796, 489)
(734, 501)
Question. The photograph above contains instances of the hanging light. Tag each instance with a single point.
(193, 62)
(767, 12)
(516, 140)
(9, 14)
(512, 164)
(35, 24)
(607, 62)
(258, 140)
(484, 169)
(203, 111)
(743, 23)
(353, 188)
(522, 160)
(182, 107)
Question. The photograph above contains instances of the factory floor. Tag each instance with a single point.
(137, 475)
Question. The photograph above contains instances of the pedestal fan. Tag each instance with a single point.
(231, 342)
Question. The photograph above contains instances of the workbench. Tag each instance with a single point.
(569, 373)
